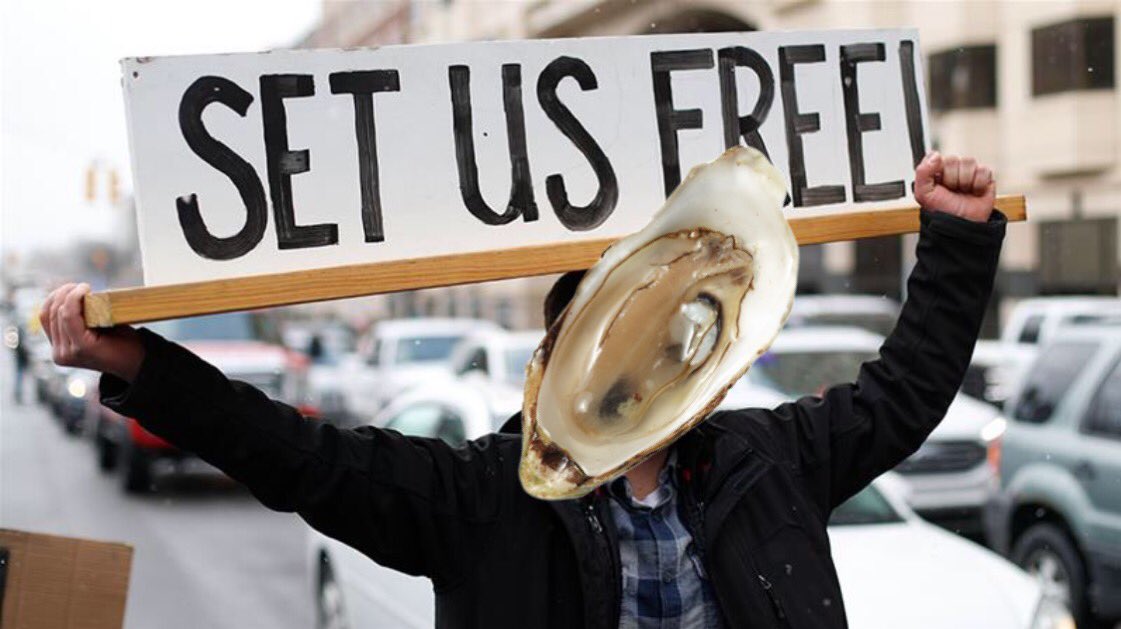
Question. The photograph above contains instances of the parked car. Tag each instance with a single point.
(952, 474)
(494, 362)
(244, 346)
(327, 344)
(998, 365)
(875, 313)
(1033, 321)
(71, 393)
(399, 353)
(896, 570)
(322, 340)
(43, 369)
(1058, 513)
(64, 391)
(350, 589)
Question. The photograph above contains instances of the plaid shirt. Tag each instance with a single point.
(664, 582)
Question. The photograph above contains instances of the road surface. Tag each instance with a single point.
(206, 553)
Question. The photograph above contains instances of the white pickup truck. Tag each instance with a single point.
(397, 354)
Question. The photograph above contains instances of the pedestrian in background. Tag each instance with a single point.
(18, 343)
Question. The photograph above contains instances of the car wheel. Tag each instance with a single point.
(137, 471)
(329, 610)
(1047, 553)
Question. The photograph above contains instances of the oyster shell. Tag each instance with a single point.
(660, 328)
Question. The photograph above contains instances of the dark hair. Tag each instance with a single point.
(560, 294)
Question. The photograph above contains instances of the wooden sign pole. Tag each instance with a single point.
(138, 305)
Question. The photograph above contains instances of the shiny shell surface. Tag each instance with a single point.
(660, 328)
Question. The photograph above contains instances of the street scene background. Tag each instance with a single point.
(1019, 487)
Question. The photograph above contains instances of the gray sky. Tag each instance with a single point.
(60, 99)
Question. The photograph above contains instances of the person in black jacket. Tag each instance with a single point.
(743, 542)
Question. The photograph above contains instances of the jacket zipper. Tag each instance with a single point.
(593, 520)
(775, 602)
(601, 536)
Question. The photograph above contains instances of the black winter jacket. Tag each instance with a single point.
(759, 484)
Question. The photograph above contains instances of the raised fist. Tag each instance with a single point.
(955, 185)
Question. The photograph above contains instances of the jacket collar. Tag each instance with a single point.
(707, 454)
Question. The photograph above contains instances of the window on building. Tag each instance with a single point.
(1049, 379)
(1078, 256)
(1104, 417)
(963, 78)
(409, 306)
(879, 266)
(504, 312)
(812, 273)
(1072, 55)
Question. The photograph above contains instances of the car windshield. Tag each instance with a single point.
(516, 360)
(807, 372)
(232, 326)
(867, 507)
(421, 349)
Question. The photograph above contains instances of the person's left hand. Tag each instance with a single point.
(955, 185)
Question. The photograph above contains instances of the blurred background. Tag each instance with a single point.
(1026, 466)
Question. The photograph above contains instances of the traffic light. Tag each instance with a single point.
(91, 183)
(114, 187)
(95, 170)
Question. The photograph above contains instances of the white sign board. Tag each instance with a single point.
(259, 163)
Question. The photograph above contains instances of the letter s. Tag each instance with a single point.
(206, 90)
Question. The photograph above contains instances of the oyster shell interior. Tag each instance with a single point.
(660, 327)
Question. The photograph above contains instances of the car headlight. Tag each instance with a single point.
(991, 436)
(1052, 614)
(994, 429)
(76, 387)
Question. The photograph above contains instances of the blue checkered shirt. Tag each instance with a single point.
(664, 581)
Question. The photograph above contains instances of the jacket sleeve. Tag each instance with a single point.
(854, 432)
(408, 503)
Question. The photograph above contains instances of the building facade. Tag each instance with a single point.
(1029, 87)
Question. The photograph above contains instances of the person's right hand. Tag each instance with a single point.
(116, 351)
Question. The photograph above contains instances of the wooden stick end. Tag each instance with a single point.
(98, 310)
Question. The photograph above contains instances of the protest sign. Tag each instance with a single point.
(282, 177)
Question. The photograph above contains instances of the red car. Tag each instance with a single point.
(244, 346)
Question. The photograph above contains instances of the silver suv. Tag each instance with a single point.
(1058, 513)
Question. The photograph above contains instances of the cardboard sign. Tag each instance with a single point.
(62, 582)
(252, 164)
